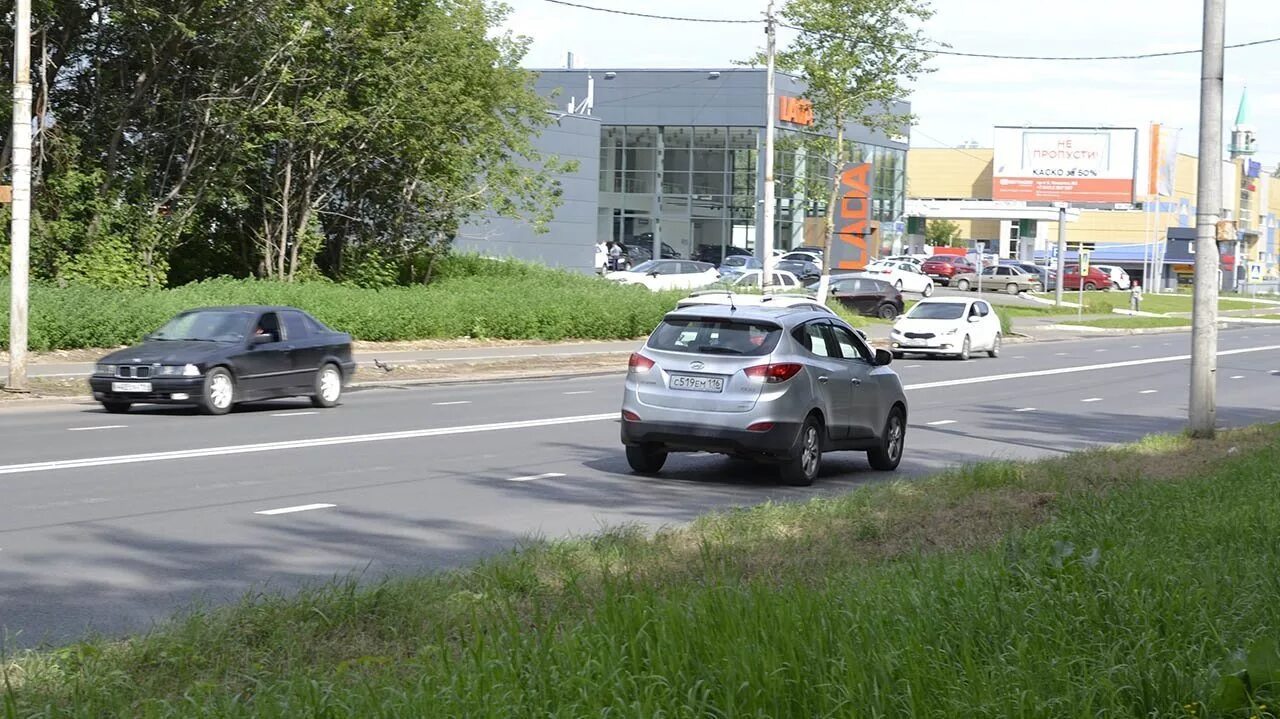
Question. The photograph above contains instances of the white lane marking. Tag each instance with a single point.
(1026, 409)
(296, 444)
(941, 422)
(527, 424)
(92, 429)
(1092, 399)
(1018, 357)
(299, 508)
(1237, 376)
(1149, 391)
(581, 391)
(911, 366)
(530, 478)
(1099, 350)
(1081, 368)
(450, 404)
(1134, 347)
(292, 414)
(1059, 354)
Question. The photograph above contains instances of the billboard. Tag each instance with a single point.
(1065, 164)
(850, 250)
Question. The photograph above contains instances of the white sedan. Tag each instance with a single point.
(905, 276)
(660, 275)
(955, 327)
(751, 278)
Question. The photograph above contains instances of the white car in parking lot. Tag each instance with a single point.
(660, 275)
(906, 276)
(948, 326)
(1119, 278)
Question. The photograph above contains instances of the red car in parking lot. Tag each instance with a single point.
(1094, 279)
(941, 268)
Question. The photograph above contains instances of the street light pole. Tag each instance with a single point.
(1062, 251)
(1204, 318)
(20, 226)
(771, 120)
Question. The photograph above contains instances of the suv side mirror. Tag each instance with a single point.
(883, 358)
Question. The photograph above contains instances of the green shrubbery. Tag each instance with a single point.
(472, 297)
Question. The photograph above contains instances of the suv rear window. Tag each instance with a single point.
(714, 336)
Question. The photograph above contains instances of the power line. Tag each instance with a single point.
(945, 146)
(1055, 58)
(932, 51)
(655, 17)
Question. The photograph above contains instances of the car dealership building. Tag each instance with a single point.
(675, 156)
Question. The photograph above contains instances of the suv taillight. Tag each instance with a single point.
(639, 364)
(774, 373)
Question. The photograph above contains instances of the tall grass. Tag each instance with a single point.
(1131, 582)
(471, 298)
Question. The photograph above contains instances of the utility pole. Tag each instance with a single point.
(1204, 318)
(1062, 251)
(771, 121)
(20, 228)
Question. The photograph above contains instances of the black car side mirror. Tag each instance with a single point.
(883, 358)
(260, 340)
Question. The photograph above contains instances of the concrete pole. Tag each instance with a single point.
(20, 229)
(770, 132)
(1062, 251)
(1204, 319)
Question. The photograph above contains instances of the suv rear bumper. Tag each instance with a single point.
(778, 442)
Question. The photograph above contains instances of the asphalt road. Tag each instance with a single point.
(110, 522)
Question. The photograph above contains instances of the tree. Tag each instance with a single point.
(857, 58)
(943, 233)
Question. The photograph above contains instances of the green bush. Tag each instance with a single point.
(472, 298)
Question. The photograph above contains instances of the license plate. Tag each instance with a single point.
(130, 386)
(915, 343)
(695, 383)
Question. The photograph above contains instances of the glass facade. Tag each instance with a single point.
(699, 185)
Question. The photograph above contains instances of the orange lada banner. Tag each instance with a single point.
(853, 218)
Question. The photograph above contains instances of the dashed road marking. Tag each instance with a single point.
(299, 508)
(1026, 409)
(450, 404)
(581, 391)
(1149, 391)
(941, 422)
(1092, 399)
(292, 414)
(93, 429)
(530, 478)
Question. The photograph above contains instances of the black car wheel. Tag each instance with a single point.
(117, 407)
(888, 455)
(887, 311)
(962, 285)
(928, 290)
(1011, 288)
(328, 386)
(995, 347)
(1090, 287)
(802, 468)
(219, 392)
(646, 459)
(964, 350)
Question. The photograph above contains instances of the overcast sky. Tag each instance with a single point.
(965, 97)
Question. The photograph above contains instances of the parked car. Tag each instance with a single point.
(751, 278)
(740, 263)
(954, 326)
(941, 268)
(773, 384)
(733, 299)
(803, 269)
(996, 279)
(1095, 279)
(804, 256)
(1048, 278)
(716, 254)
(1120, 279)
(217, 357)
(668, 275)
(867, 296)
(917, 261)
(903, 275)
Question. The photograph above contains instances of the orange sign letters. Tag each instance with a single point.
(795, 110)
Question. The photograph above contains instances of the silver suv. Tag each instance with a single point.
(775, 384)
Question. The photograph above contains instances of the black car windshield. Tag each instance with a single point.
(937, 311)
(712, 336)
(204, 326)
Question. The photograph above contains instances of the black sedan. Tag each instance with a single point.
(216, 357)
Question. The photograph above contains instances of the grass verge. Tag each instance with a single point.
(1133, 581)
(1132, 323)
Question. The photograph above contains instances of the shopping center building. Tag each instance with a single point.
(675, 157)
(1143, 232)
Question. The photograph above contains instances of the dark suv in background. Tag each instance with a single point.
(867, 296)
(941, 268)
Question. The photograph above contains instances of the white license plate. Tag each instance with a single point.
(130, 386)
(915, 343)
(695, 383)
